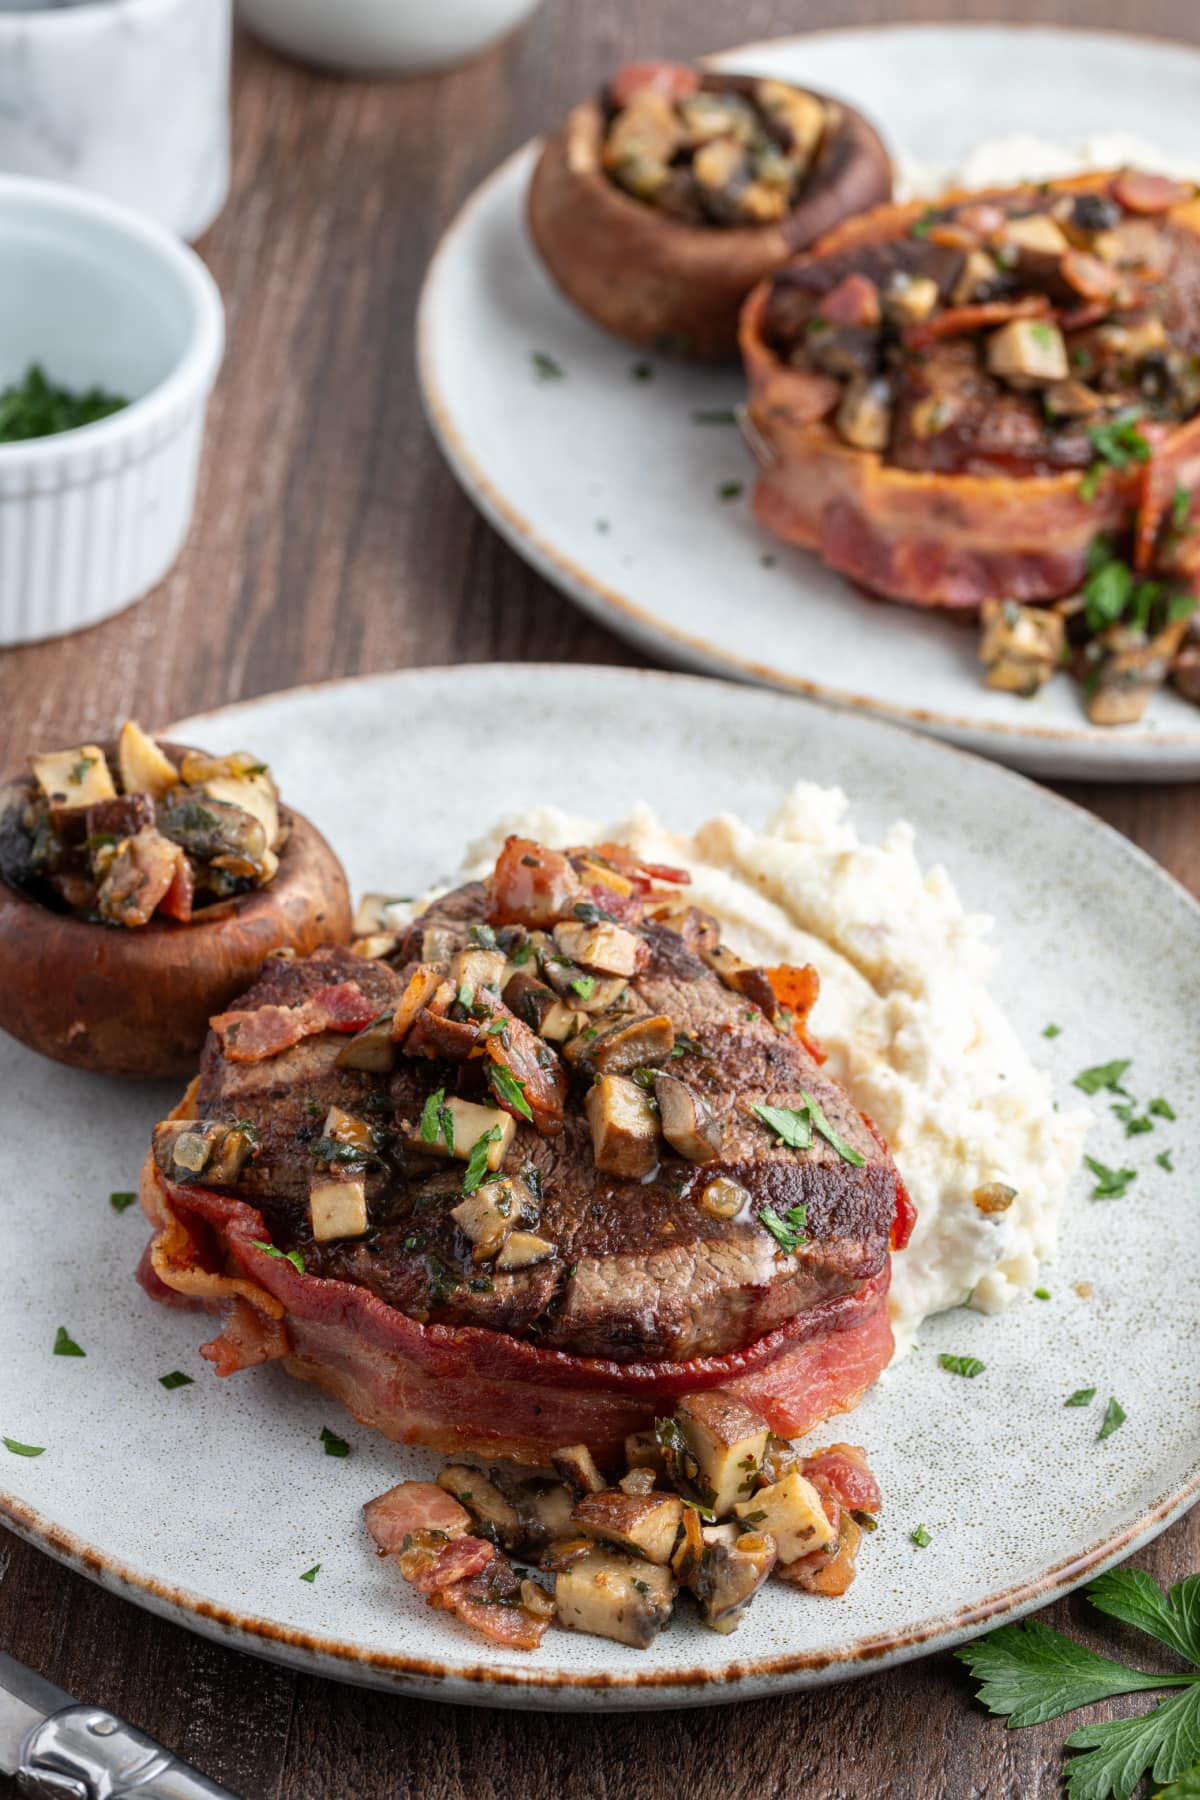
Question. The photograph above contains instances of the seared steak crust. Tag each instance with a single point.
(640, 1269)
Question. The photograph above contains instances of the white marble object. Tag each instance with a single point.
(129, 98)
(383, 37)
(99, 296)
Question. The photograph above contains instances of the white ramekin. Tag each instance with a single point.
(129, 98)
(98, 295)
(383, 37)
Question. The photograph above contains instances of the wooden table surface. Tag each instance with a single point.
(331, 540)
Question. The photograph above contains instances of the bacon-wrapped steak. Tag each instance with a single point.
(951, 404)
(530, 1178)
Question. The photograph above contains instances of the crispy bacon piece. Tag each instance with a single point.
(842, 1471)
(854, 302)
(1140, 192)
(456, 1572)
(797, 987)
(829, 1571)
(144, 871)
(178, 900)
(531, 885)
(1090, 276)
(248, 1037)
(961, 321)
(531, 1061)
(674, 81)
(433, 1564)
(413, 1506)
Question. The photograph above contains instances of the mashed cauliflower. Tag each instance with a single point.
(1024, 156)
(905, 1014)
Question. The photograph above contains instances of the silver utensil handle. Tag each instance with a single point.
(85, 1753)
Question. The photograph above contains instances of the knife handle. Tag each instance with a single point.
(85, 1753)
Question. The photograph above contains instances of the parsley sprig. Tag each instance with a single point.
(1030, 1673)
(795, 1126)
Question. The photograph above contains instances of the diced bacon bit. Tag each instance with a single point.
(412, 1507)
(796, 987)
(829, 1571)
(843, 1470)
(1090, 275)
(440, 1038)
(432, 1563)
(1082, 318)
(627, 908)
(854, 301)
(1155, 495)
(533, 1063)
(142, 873)
(666, 872)
(470, 1578)
(490, 1602)
(177, 902)
(1139, 192)
(675, 81)
(531, 885)
(959, 321)
(253, 1036)
(982, 218)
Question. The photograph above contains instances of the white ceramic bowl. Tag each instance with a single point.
(383, 37)
(129, 98)
(90, 519)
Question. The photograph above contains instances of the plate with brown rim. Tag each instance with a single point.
(623, 479)
(208, 1501)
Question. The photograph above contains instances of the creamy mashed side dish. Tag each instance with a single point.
(905, 1014)
(1027, 156)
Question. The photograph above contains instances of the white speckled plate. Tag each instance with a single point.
(208, 1502)
(610, 490)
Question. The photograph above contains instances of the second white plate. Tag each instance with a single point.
(610, 487)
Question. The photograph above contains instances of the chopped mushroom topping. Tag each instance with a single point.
(728, 1441)
(644, 1523)
(576, 1464)
(615, 1596)
(338, 1208)
(687, 1122)
(636, 1045)
(624, 1124)
(1022, 646)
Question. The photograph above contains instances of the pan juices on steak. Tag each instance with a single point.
(557, 1161)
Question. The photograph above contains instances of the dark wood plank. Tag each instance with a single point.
(331, 540)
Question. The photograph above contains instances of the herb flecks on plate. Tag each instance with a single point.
(334, 1445)
(1111, 1184)
(176, 1379)
(19, 1449)
(1104, 1077)
(65, 1345)
(968, 1366)
(121, 1201)
(1030, 1673)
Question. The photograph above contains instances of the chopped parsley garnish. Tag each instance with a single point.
(37, 407)
(437, 1121)
(310, 1575)
(642, 371)
(1081, 1397)
(19, 1449)
(730, 490)
(767, 561)
(1103, 1076)
(1117, 443)
(714, 415)
(923, 226)
(584, 986)
(1114, 1417)
(78, 774)
(120, 1201)
(176, 1379)
(1163, 1159)
(1043, 335)
(509, 1089)
(292, 1256)
(482, 937)
(1162, 1109)
(1041, 1293)
(970, 1366)
(1135, 1123)
(1110, 1183)
(65, 1345)
(544, 367)
(1181, 507)
(334, 1445)
(921, 1538)
(1051, 1031)
(478, 1161)
(643, 1587)
(821, 1124)
(795, 1128)
(1030, 1673)
(466, 996)
(789, 1232)
(339, 1153)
